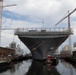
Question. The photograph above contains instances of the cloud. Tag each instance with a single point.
(10, 23)
(50, 11)
(31, 13)
(14, 16)
(7, 38)
(9, 34)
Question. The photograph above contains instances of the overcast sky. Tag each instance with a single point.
(32, 13)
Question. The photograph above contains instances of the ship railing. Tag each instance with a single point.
(20, 30)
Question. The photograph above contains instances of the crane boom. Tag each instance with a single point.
(8, 5)
(8, 28)
(66, 16)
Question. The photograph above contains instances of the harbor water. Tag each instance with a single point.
(30, 67)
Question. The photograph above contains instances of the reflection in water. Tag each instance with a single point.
(30, 67)
(66, 64)
(65, 68)
(74, 65)
(17, 68)
(38, 68)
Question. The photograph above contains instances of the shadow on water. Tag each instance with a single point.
(3, 69)
(4, 66)
(38, 68)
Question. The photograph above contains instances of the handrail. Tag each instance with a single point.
(42, 30)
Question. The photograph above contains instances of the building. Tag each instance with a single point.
(18, 50)
(6, 52)
(74, 45)
(66, 47)
(13, 45)
(66, 51)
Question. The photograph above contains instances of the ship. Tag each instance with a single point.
(42, 41)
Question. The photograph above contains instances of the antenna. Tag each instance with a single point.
(43, 23)
(1, 9)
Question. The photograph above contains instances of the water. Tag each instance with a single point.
(30, 67)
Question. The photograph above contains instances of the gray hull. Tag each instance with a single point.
(41, 44)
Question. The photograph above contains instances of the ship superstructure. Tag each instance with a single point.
(43, 42)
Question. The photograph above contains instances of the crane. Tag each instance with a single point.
(68, 16)
(68, 19)
(1, 9)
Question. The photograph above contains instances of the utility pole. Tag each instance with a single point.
(1, 10)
